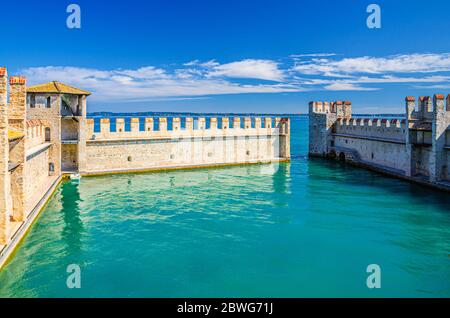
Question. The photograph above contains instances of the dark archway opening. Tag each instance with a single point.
(47, 134)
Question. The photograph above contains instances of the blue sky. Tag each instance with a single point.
(232, 56)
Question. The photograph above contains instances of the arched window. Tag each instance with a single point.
(47, 134)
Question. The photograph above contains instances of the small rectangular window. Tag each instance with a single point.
(49, 102)
(47, 134)
(32, 101)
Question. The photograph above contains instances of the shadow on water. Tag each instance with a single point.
(344, 174)
(304, 228)
(402, 217)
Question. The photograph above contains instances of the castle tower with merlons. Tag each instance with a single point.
(415, 146)
(46, 135)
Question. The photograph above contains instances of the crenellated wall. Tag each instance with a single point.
(25, 157)
(108, 151)
(35, 132)
(383, 128)
(44, 133)
(322, 118)
(416, 147)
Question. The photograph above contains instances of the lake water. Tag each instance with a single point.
(308, 228)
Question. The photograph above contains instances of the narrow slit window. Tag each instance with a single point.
(32, 101)
(47, 134)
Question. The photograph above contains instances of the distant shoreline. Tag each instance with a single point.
(156, 113)
(95, 114)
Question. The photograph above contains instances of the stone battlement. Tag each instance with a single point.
(162, 142)
(416, 148)
(340, 108)
(372, 122)
(150, 127)
(426, 106)
(44, 134)
(372, 127)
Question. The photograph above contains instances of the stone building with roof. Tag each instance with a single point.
(40, 132)
(415, 147)
(45, 135)
(64, 107)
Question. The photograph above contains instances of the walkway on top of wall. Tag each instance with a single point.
(37, 149)
(390, 140)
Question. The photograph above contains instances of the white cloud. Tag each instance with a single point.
(353, 80)
(194, 79)
(312, 55)
(257, 69)
(208, 64)
(396, 79)
(439, 86)
(146, 83)
(338, 86)
(147, 72)
(412, 63)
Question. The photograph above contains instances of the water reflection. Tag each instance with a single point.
(281, 178)
(73, 228)
(410, 216)
(307, 228)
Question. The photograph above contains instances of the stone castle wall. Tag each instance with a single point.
(377, 141)
(36, 178)
(416, 148)
(5, 183)
(47, 141)
(163, 148)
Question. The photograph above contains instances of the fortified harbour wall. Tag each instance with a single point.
(44, 135)
(263, 140)
(416, 148)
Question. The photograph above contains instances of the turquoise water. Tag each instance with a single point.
(304, 229)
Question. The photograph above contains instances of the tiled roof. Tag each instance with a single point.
(13, 135)
(56, 88)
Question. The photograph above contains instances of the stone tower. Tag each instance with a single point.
(322, 117)
(426, 137)
(4, 159)
(17, 121)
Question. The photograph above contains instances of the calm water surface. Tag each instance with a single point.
(304, 229)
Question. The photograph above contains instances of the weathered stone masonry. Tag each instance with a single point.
(44, 134)
(147, 149)
(415, 148)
